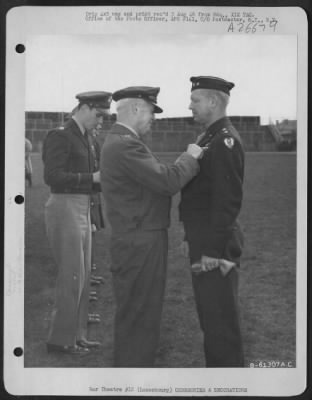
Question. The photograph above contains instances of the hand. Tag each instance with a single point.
(96, 177)
(194, 151)
(206, 264)
(184, 248)
(209, 263)
(197, 268)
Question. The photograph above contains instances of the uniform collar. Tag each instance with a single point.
(212, 130)
(82, 129)
(217, 125)
(74, 127)
(129, 128)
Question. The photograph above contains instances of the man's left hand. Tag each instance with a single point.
(211, 263)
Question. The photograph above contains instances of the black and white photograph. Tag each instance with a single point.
(156, 173)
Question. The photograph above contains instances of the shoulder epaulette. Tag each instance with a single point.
(126, 136)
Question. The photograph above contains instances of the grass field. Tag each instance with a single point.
(267, 279)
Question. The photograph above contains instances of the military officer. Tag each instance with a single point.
(210, 205)
(69, 171)
(137, 189)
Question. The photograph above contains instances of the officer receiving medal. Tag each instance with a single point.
(209, 207)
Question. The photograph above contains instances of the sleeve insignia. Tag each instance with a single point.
(125, 136)
(229, 142)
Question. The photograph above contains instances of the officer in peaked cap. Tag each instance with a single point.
(98, 100)
(137, 188)
(146, 93)
(69, 171)
(212, 83)
(209, 207)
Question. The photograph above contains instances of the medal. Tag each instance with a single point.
(229, 142)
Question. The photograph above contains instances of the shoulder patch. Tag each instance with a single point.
(58, 128)
(229, 142)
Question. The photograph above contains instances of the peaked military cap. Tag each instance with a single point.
(147, 93)
(211, 82)
(95, 99)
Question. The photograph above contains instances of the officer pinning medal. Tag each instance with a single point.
(137, 188)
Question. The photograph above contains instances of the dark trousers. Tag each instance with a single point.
(139, 263)
(216, 302)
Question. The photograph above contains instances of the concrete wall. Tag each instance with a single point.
(169, 134)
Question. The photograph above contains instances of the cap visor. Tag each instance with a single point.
(104, 111)
(157, 110)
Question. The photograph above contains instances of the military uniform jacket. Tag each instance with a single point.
(68, 160)
(210, 203)
(137, 187)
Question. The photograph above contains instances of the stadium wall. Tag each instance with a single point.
(168, 135)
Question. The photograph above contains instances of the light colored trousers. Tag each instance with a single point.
(68, 226)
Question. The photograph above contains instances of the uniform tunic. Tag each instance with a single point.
(137, 189)
(209, 208)
(68, 168)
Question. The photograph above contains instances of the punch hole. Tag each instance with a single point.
(20, 48)
(18, 351)
(19, 199)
